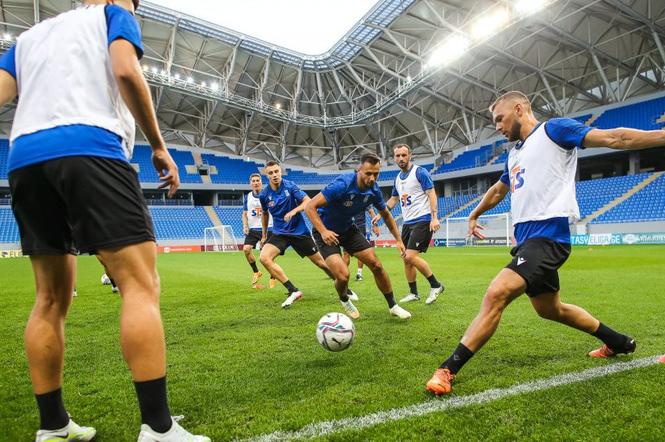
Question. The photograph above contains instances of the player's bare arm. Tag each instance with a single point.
(7, 88)
(311, 209)
(434, 225)
(245, 223)
(265, 218)
(297, 210)
(136, 94)
(492, 197)
(392, 227)
(624, 138)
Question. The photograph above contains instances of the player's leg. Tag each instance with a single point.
(505, 287)
(359, 272)
(346, 257)
(369, 258)
(251, 239)
(114, 286)
(318, 261)
(417, 242)
(271, 250)
(549, 306)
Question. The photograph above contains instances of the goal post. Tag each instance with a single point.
(497, 231)
(219, 239)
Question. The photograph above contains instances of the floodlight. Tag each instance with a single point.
(489, 24)
(449, 51)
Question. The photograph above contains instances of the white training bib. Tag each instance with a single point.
(255, 212)
(412, 198)
(542, 179)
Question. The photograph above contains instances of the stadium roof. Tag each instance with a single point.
(415, 71)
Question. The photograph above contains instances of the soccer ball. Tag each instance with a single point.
(335, 332)
(106, 280)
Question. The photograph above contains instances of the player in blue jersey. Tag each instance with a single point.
(415, 193)
(332, 211)
(81, 91)
(284, 200)
(540, 174)
(361, 222)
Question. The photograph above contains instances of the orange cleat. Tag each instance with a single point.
(258, 286)
(256, 277)
(272, 283)
(441, 382)
(606, 352)
(662, 359)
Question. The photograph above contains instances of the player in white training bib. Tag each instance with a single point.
(252, 216)
(414, 191)
(540, 174)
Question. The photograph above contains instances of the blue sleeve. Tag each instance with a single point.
(8, 61)
(121, 24)
(505, 176)
(379, 203)
(424, 178)
(298, 193)
(262, 199)
(566, 132)
(394, 192)
(244, 203)
(334, 190)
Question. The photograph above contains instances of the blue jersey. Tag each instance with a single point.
(345, 200)
(280, 202)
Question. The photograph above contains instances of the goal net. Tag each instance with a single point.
(219, 239)
(497, 231)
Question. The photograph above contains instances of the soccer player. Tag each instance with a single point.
(331, 212)
(540, 174)
(252, 218)
(414, 190)
(81, 88)
(284, 200)
(360, 222)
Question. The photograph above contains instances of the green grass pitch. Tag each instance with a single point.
(239, 366)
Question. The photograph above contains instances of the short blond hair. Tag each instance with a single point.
(512, 95)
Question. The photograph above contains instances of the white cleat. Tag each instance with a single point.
(350, 309)
(175, 434)
(114, 289)
(433, 294)
(293, 297)
(399, 312)
(72, 432)
(74, 294)
(353, 296)
(410, 298)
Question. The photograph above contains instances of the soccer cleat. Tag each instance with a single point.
(72, 432)
(353, 296)
(114, 289)
(662, 359)
(607, 352)
(434, 293)
(74, 294)
(350, 309)
(359, 276)
(258, 286)
(256, 277)
(441, 382)
(175, 434)
(410, 298)
(293, 297)
(398, 311)
(272, 283)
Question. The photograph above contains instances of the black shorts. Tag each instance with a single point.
(79, 204)
(254, 237)
(352, 240)
(537, 260)
(302, 244)
(417, 236)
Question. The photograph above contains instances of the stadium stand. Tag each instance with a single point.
(180, 222)
(8, 227)
(642, 115)
(646, 205)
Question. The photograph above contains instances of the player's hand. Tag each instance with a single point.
(245, 230)
(290, 215)
(263, 241)
(376, 230)
(376, 219)
(329, 237)
(475, 229)
(401, 248)
(167, 170)
(434, 225)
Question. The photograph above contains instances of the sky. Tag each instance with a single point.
(308, 26)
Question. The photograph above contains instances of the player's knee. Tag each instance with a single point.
(53, 301)
(375, 266)
(496, 297)
(265, 260)
(550, 312)
(410, 258)
(247, 251)
(342, 276)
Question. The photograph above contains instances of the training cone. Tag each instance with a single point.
(662, 359)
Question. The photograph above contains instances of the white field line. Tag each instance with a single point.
(318, 429)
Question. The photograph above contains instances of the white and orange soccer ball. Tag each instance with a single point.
(335, 331)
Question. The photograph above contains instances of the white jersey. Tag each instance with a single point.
(542, 179)
(413, 198)
(255, 212)
(64, 77)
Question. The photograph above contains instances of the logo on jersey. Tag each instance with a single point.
(257, 211)
(516, 178)
(405, 200)
(271, 204)
(348, 203)
(286, 192)
(365, 199)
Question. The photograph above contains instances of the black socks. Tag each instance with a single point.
(153, 404)
(253, 266)
(390, 299)
(456, 361)
(614, 340)
(52, 413)
(290, 287)
(413, 288)
(433, 281)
